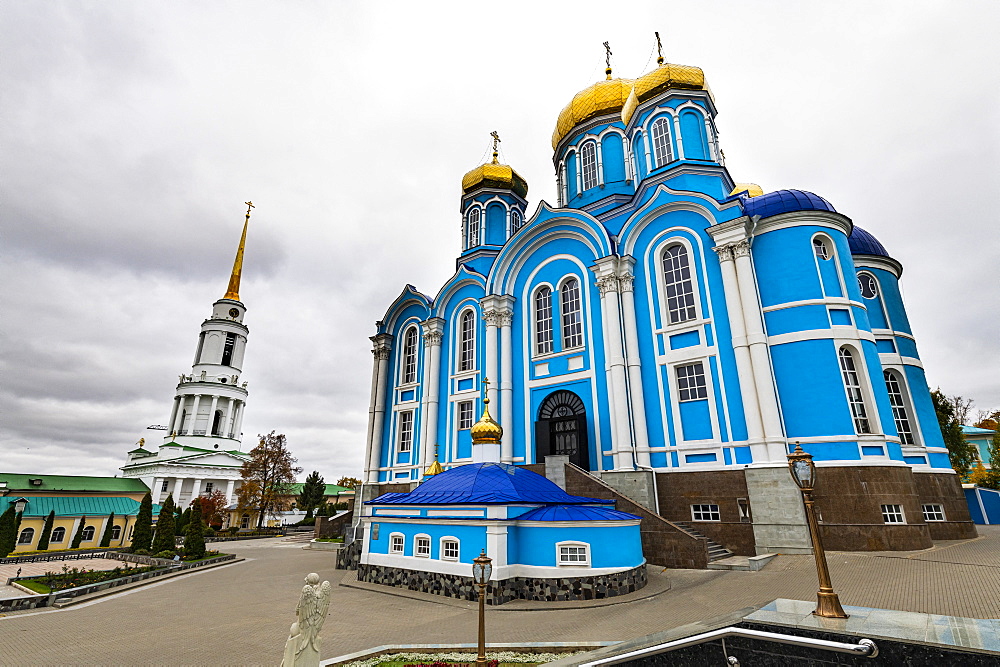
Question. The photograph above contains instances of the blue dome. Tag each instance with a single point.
(784, 201)
(863, 243)
(484, 483)
(576, 513)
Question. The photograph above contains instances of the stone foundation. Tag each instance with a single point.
(946, 490)
(516, 588)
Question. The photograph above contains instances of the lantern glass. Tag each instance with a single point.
(804, 472)
(482, 568)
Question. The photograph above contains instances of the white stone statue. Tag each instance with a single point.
(302, 646)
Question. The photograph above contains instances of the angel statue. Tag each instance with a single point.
(302, 647)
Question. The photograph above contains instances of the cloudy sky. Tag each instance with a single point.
(132, 133)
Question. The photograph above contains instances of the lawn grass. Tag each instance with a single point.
(36, 586)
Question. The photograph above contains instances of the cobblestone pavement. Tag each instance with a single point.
(239, 614)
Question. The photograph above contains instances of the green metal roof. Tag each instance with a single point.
(70, 506)
(20, 482)
(331, 489)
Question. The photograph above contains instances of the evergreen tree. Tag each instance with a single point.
(194, 535)
(17, 522)
(8, 531)
(961, 454)
(312, 493)
(182, 522)
(142, 535)
(164, 540)
(108, 526)
(78, 537)
(43, 541)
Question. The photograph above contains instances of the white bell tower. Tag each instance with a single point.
(209, 402)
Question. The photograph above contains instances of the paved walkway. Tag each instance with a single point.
(239, 614)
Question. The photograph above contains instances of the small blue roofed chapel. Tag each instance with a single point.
(670, 334)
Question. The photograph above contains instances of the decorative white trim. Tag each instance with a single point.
(841, 333)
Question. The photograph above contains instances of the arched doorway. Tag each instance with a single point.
(561, 429)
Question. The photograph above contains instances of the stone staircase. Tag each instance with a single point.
(715, 550)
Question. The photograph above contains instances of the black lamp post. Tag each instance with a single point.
(803, 471)
(482, 568)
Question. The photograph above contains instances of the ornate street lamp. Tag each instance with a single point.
(803, 470)
(482, 568)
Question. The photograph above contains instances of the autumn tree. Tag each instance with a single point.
(43, 541)
(142, 534)
(313, 491)
(268, 476)
(212, 507)
(164, 540)
(349, 482)
(961, 454)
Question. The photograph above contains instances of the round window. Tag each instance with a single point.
(868, 285)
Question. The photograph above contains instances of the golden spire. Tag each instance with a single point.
(435, 468)
(486, 431)
(607, 60)
(234, 280)
(496, 143)
(659, 49)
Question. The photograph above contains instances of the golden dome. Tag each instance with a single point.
(495, 175)
(685, 77)
(602, 98)
(486, 431)
(435, 469)
(751, 190)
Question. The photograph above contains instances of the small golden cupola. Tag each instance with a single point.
(664, 77)
(495, 175)
(486, 431)
(602, 98)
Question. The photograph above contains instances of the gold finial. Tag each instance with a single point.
(496, 143)
(173, 435)
(486, 430)
(659, 49)
(141, 443)
(234, 280)
(435, 468)
(607, 60)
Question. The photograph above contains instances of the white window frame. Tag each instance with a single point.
(688, 386)
(588, 165)
(419, 541)
(699, 512)
(393, 542)
(820, 249)
(934, 514)
(443, 546)
(686, 291)
(408, 357)
(562, 559)
(571, 313)
(899, 404)
(467, 341)
(466, 415)
(473, 227)
(891, 512)
(62, 535)
(660, 131)
(874, 282)
(542, 346)
(404, 435)
(854, 390)
(516, 221)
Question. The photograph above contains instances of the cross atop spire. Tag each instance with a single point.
(233, 292)
(607, 60)
(486, 388)
(496, 144)
(659, 49)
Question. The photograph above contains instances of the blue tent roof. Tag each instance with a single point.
(483, 483)
(576, 513)
(784, 201)
(863, 243)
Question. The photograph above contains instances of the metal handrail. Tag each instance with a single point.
(864, 647)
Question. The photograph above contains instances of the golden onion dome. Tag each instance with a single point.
(685, 77)
(749, 189)
(495, 175)
(486, 431)
(602, 98)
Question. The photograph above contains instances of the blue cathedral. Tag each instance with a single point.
(663, 336)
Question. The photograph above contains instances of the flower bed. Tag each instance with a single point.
(459, 659)
(74, 577)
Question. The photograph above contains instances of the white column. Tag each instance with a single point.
(579, 173)
(228, 427)
(376, 412)
(433, 335)
(176, 491)
(230, 485)
(211, 416)
(680, 142)
(600, 162)
(614, 364)
(759, 357)
(492, 318)
(744, 368)
(639, 428)
(194, 413)
(178, 424)
(196, 491)
(507, 385)
(173, 413)
(157, 485)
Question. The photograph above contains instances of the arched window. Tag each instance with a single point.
(680, 289)
(572, 322)
(116, 532)
(589, 156)
(467, 342)
(852, 385)
(58, 534)
(217, 423)
(88, 533)
(561, 184)
(516, 221)
(409, 373)
(662, 148)
(543, 321)
(898, 404)
(868, 285)
(27, 535)
(819, 247)
(472, 239)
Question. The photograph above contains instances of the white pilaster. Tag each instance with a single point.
(614, 362)
(230, 485)
(176, 491)
(376, 419)
(433, 329)
(157, 485)
(194, 415)
(492, 318)
(196, 491)
(677, 135)
(636, 398)
(507, 383)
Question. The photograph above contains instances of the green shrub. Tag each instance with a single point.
(143, 552)
(167, 553)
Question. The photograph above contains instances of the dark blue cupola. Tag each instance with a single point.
(784, 201)
(863, 243)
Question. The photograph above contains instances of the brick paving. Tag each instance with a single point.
(240, 614)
